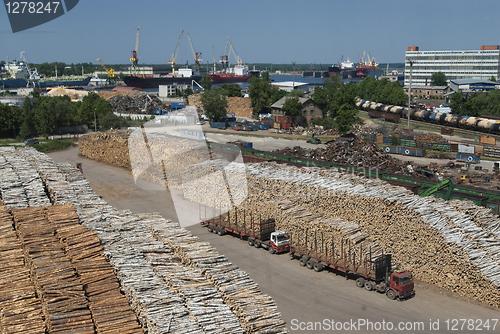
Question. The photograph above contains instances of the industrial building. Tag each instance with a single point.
(455, 64)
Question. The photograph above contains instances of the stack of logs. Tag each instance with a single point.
(430, 138)
(436, 241)
(110, 147)
(57, 277)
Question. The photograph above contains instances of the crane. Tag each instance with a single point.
(236, 56)
(134, 58)
(213, 52)
(196, 55)
(110, 71)
(174, 55)
(225, 58)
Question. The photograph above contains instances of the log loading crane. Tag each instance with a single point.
(174, 55)
(134, 59)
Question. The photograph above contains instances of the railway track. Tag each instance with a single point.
(470, 134)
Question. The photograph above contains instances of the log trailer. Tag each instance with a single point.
(372, 273)
(261, 234)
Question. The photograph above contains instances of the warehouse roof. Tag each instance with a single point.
(473, 82)
(279, 104)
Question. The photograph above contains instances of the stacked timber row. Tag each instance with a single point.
(170, 288)
(54, 281)
(440, 244)
(20, 308)
(110, 147)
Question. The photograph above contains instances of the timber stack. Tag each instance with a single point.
(172, 282)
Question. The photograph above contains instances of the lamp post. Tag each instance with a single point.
(95, 122)
(409, 92)
(293, 75)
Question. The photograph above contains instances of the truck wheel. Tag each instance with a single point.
(310, 263)
(318, 267)
(221, 231)
(250, 241)
(271, 250)
(303, 261)
(360, 282)
(256, 243)
(368, 286)
(210, 228)
(215, 229)
(391, 294)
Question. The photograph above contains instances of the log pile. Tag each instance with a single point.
(20, 308)
(110, 147)
(257, 312)
(240, 106)
(430, 138)
(64, 304)
(110, 310)
(438, 243)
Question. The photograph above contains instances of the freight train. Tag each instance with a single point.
(379, 110)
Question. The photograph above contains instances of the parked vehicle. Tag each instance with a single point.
(31, 142)
(261, 234)
(371, 272)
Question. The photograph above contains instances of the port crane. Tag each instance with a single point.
(196, 55)
(134, 59)
(110, 71)
(236, 56)
(215, 62)
(174, 55)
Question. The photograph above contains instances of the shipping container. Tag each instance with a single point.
(218, 125)
(475, 159)
(465, 149)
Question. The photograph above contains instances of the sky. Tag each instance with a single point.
(262, 31)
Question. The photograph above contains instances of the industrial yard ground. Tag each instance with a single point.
(302, 295)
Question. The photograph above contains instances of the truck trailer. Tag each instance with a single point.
(259, 233)
(374, 273)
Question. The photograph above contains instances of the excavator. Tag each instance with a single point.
(448, 183)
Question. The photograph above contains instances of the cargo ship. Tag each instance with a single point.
(184, 76)
(20, 76)
(237, 74)
(23, 83)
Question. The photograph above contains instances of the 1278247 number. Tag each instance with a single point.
(22, 7)
(471, 324)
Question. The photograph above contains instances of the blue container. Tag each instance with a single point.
(393, 149)
(248, 145)
(264, 126)
(218, 125)
(475, 159)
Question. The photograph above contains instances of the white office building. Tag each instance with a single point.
(466, 64)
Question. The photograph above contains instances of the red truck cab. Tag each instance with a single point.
(400, 285)
(279, 242)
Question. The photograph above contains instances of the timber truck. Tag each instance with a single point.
(372, 272)
(259, 233)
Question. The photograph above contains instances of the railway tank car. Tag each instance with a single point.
(483, 124)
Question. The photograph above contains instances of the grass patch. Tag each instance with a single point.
(56, 145)
(10, 141)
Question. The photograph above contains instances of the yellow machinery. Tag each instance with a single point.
(110, 71)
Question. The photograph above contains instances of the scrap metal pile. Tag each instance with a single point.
(356, 153)
(173, 282)
(136, 104)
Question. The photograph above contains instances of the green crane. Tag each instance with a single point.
(448, 183)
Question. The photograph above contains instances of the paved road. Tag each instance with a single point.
(303, 296)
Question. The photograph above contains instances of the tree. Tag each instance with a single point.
(457, 103)
(346, 117)
(438, 79)
(493, 78)
(323, 96)
(188, 91)
(233, 90)
(214, 103)
(296, 93)
(292, 107)
(260, 92)
(206, 82)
